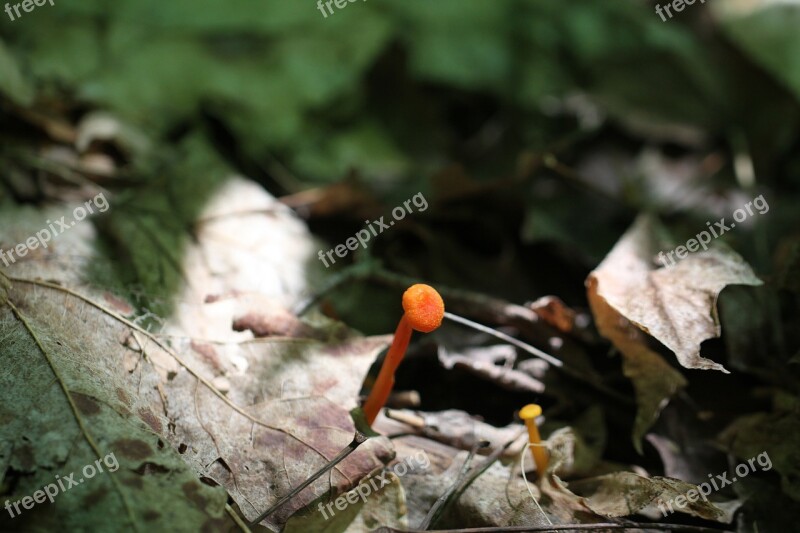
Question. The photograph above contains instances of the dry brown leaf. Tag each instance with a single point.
(619, 493)
(494, 364)
(555, 312)
(626, 493)
(302, 385)
(654, 380)
(676, 305)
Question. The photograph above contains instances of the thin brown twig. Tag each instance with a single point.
(442, 501)
(573, 527)
(236, 518)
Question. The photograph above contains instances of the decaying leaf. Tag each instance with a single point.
(66, 403)
(157, 401)
(495, 364)
(619, 493)
(626, 493)
(654, 380)
(676, 304)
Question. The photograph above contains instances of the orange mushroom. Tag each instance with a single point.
(424, 310)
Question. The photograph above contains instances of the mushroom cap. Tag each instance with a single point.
(424, 307)
(530, 411)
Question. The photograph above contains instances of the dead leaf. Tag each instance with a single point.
(65, 403)
(139, 392)
(654, 380)
(626, 493)
(555, 312)
(676, 305)
(486, 363)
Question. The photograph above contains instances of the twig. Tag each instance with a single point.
(481, 468)
(574, 527)
(238, 519)
(441, 503)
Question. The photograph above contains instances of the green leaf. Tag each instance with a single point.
(771, 38)
(12, 82)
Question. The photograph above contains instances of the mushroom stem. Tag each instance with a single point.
(529, 414)
(385, 381)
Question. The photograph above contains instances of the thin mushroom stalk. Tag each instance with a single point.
(529, 413)
(424, 310)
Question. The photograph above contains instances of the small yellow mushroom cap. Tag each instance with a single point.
(530, 411)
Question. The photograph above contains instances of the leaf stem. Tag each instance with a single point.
(442, 501)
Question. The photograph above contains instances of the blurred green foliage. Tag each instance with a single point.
(285, 80)
(396, 91)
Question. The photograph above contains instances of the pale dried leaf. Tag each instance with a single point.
(626, 493)
(676, 305)
(654, 380)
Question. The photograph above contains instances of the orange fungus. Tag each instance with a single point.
(424, 310)
(424, 307)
